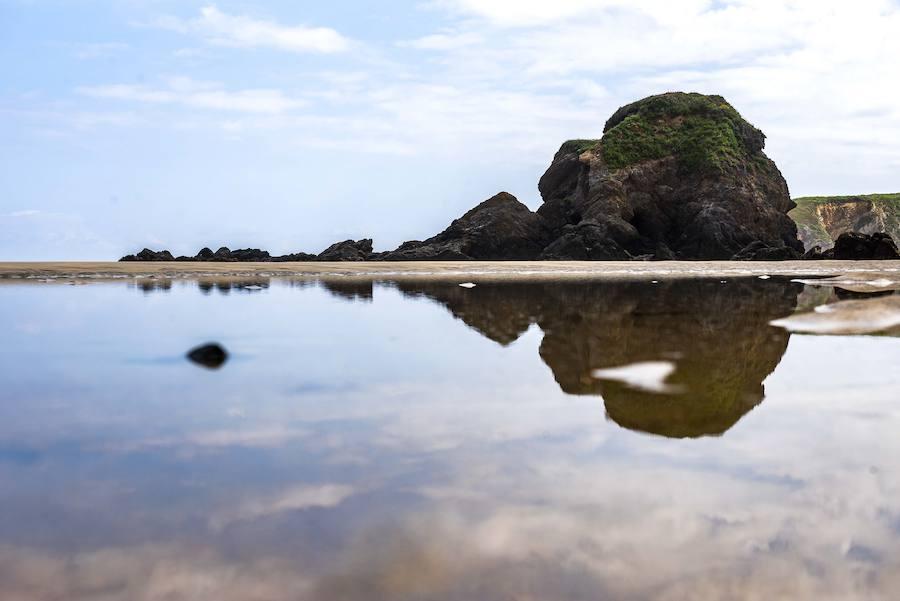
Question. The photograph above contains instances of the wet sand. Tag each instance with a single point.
(447, 270)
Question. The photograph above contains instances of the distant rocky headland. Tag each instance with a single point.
(674, 176)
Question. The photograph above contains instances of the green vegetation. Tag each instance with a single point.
(578, 146)
(702, 132)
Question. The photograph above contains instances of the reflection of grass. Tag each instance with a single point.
(702, 132)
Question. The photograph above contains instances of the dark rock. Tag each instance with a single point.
(251, 255)
(205, 254)
(674, 176)
(499, 229)
(760, 251)
(211, 356)
(223, 254)
(816, 254)
(852, 245)
(348, 250)
(295, 257)
(149, 255)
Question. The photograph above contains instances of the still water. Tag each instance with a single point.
(419, 440)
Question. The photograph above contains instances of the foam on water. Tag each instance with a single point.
(847, 317)
(650, 376)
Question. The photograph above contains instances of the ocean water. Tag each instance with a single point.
(425, 441)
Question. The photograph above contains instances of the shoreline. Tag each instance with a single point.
(21, 272)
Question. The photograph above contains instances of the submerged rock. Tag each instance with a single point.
(674, 176)
(211, 356)
(499, 229)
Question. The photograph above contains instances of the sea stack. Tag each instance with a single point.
(675, 176)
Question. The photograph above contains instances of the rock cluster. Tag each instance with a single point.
(674, 176)
(856, 246)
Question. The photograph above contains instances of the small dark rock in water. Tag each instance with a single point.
(852, 245)
(211, 356)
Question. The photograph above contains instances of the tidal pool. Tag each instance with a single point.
(418, 440)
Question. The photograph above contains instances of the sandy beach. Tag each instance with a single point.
(487, 270)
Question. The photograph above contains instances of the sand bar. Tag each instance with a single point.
(19, 272)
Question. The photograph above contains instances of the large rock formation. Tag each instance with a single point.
(821, 219)
(674, 176)
(499, 229)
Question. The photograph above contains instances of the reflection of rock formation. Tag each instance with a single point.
(716, 334)
(350, 289)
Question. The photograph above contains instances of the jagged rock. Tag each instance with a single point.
(348, 250)
(852, 245)
(211, 356)
(675, 176)
(205, 254)
(223, 254)
(251, 255)
(499, 229)
(149, 255)
(760, 251)
(295, 257)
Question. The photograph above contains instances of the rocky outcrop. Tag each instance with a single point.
(499, 229)
(149, 255)
(821, 219)
(851, 245)
(348, 250)
(674, 176)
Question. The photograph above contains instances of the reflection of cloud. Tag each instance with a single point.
(292, 499)
(145, 573)
(260, 437)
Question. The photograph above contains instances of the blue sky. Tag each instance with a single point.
(289, 125)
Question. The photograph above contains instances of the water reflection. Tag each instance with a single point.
(717, 335)
(381, 451)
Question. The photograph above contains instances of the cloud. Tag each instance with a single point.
(202, 95)
(220, 28)
(100, 50)
(296, 498)
(535, 12)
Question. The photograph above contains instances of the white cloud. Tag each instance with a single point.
(203, 95)
(224, 29)
(296, 498)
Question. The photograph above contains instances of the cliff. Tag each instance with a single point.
(821, 219)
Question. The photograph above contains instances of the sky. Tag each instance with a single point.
(288, 125)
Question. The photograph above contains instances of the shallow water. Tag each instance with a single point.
(420, 440)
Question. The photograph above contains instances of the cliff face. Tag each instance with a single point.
(821, 219)
(674, 176)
